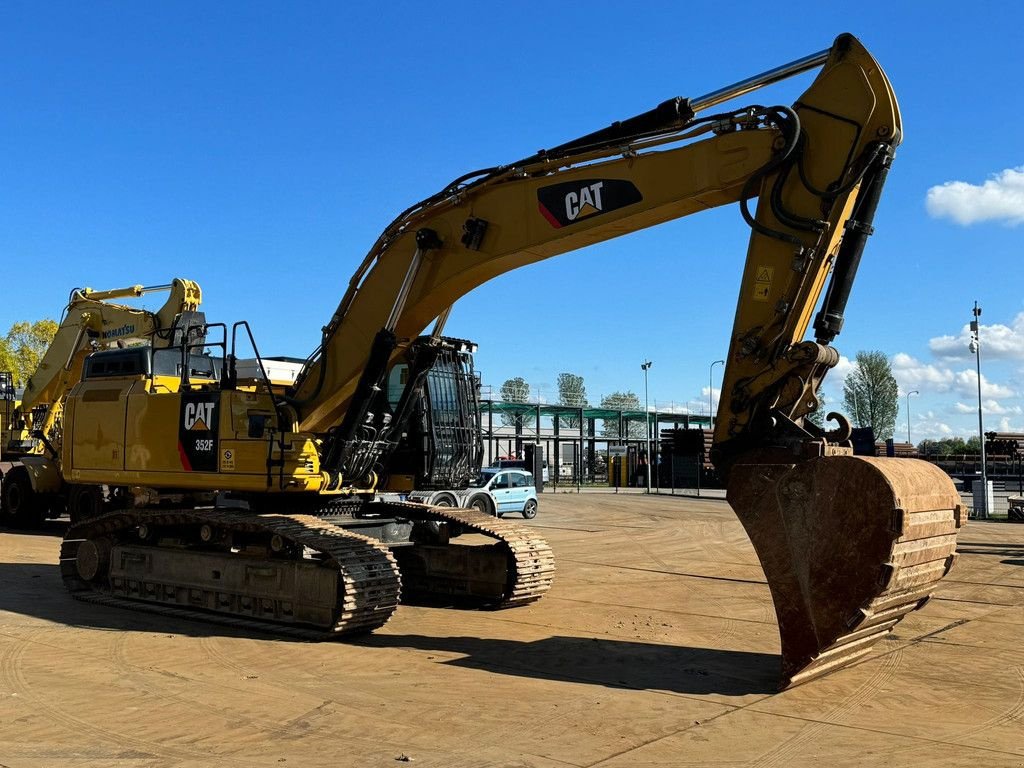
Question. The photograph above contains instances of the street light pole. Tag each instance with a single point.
(711, 395)
(975, 347)
(647, 420)
(911, 392)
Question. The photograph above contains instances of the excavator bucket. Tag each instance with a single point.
(849, 546)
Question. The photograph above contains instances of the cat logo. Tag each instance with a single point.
(198, 416)
(586, 202)
(572, 201)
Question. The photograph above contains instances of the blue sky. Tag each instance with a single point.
(260, 148)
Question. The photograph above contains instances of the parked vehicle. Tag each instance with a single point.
(522, 464)
(512, 490)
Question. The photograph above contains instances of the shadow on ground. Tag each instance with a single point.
(34, 589)
(999, 549)
(55, 528)
(608, 662)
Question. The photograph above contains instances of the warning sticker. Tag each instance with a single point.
(227, 460)
(763, 283)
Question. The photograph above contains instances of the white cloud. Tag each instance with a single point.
(989, 408)
(1000, 198)
(911, 374)
(718, 393)
(998, 342)
(1005, 425)
(927, 426)
(967, 381)
(843, 368)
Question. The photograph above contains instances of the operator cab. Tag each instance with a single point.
(167, 364)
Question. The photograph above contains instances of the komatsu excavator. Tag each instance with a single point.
(848, 545)
(31, 486)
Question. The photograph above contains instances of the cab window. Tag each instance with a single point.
(120, 362)
(167, 362)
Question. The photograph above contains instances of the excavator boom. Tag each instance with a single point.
(848, 545)
(92, 321)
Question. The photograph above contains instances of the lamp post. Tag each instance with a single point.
(911, 392)
(647, 420)
(711, 395)
(975, 347)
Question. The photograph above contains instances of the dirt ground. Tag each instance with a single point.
(656, 646)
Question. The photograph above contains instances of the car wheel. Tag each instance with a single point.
(530, 510)
(481, 504)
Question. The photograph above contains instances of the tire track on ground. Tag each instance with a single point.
(136, 674)
(12, 671)
(786, 753)
(1013, 713)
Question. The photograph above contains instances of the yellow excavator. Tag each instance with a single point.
(31, 486)
(849, 545)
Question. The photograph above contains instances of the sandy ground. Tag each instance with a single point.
(657, 646)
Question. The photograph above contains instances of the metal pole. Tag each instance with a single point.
(758, 81)
(976, 328)
(647, 421)
(654, 461)
(579, 458)
(711, 395)
(911, 392)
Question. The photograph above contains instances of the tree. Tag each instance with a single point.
(23, 347)
(515, 391)
(572, 394)
(950, 446)
(623, 401)
(870, 394)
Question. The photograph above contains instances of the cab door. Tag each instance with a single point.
(519, 491)
(501, 488)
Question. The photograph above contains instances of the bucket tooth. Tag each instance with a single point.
(849, 545)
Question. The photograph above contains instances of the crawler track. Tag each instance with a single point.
(529, 560)
(104, 561)
(368, 585)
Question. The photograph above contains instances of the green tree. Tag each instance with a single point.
(23, 347)
(516, 391)
(870, 394)
(572, 394)
(623, 401)
(950, 446)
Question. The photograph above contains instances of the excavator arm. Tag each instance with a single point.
(91, 321)
(806, 164)
(848, 545)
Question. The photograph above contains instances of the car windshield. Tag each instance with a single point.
(481, 480)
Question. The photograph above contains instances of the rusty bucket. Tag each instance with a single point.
(849, 546)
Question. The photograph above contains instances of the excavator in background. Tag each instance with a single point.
(295, 542)
(445, 429)
(31, 486)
